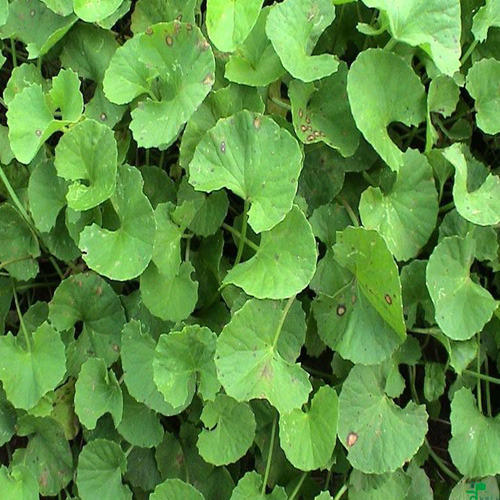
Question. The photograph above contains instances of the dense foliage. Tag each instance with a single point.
(249, 250)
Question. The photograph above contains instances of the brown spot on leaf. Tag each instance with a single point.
(341, 310)
(388, 298)
(301, 113)
(169, 40)
(38, 132)
(256, 122)
(149, 31)
(209, 79)
(310, 137)
(267, 372)
(352, 437)
(303, 128)
(103, 117)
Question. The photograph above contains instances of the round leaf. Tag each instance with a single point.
(244, 153)
(87, 155)
(124, 253)
(308, 438)
(486, 17)
(18, 483)
(95, 10)
(250, 360)
(406, 215)
(462, 306)
(284, 263)
(229, 430)
(175, 489)
(28, 373)
(148, 12)
(294, 27)
(383, 88)
(379, 435)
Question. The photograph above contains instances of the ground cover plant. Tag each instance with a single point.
(249, 249)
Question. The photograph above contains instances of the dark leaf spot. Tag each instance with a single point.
(388, 298)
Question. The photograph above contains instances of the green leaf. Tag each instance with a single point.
(294, 27)
(138, 352)
(184, 360)
(462, 306)
(60, 7)
(4, 11)
(481, 85)
(308, 438)
(29, 372)
(95, 10)
(87, 155)
(487, 485)
(97, 392)
(87, 298)
(103, 111)
(19, 245)
(406, 215)
(149, 12)
(46, 194)
(252, 359)
(255, 61)
(175, 489)
(482, 205)
(230, 21)
(434, 26)
(434, 381)
(18, 483)
(249, 487)
(21, 77)
(219, 104)
(47, 455)
(244, 154)
(486, 17)
(378, 486)
(481, 435)
(382, 89)
(36, 25)
(379, 435)
(100, 466)
(284, 263)
(140, 426)
(124, 253)
(229, 430)
(321, 112)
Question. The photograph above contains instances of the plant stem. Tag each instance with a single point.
(369, 179)
(350, 211)
(241, 243)
(269, 457)
(280, 103)
(27, 336)
(297, 488)
(487, 384)
(481, 376)
(251, 244)
(13, 52)
(468, 52)
(440, 463)
(127, 453)
(446, 208)
(340, 492)
(390, 44)
(15, 199)
(282, 321)
(13, 261)
(478, 367)
(55, 265)
(426, 331)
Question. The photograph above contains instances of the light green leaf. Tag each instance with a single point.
(60, 7)
(29, 372)
(255, 61)
(464, 488)
(22, 76)
(462, 306)
(486, 17)
(65, 95)
(230, 21)
(149, 12)
(321, 112)
(378, 486)
(4, 11)
(47, 455)
(481, 435)
(229, 430)
(184, 360)
(124, 253)
(294, 27)
(250, 357)
(406, 215)
(104, 111)
(244, 154)
(379, 435)
(98, 475)
(32, 22)
(19, 246)
(18, 484)
(434, 380)
(284, 263)
(46, 194)
(140, 426)
(308, 438)
(87, 155)
(249, 487)
(138, 352)
(219, 104)
(175, 489)
(433, 25)
(95, 10)
(97, 392)
(482, 81)
(86, 297)
(383, 88)
(482, 205)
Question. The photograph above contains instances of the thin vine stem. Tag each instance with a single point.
(468, 52)
(231, 229)
(296, 490)
(440, 463)
(269, 457)
(243, 236)
(482, 376)
(282, 321)
(478, 368)
(350, 211)
(340, 492)
(27, 336)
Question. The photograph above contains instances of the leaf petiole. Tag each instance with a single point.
(269, 457)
